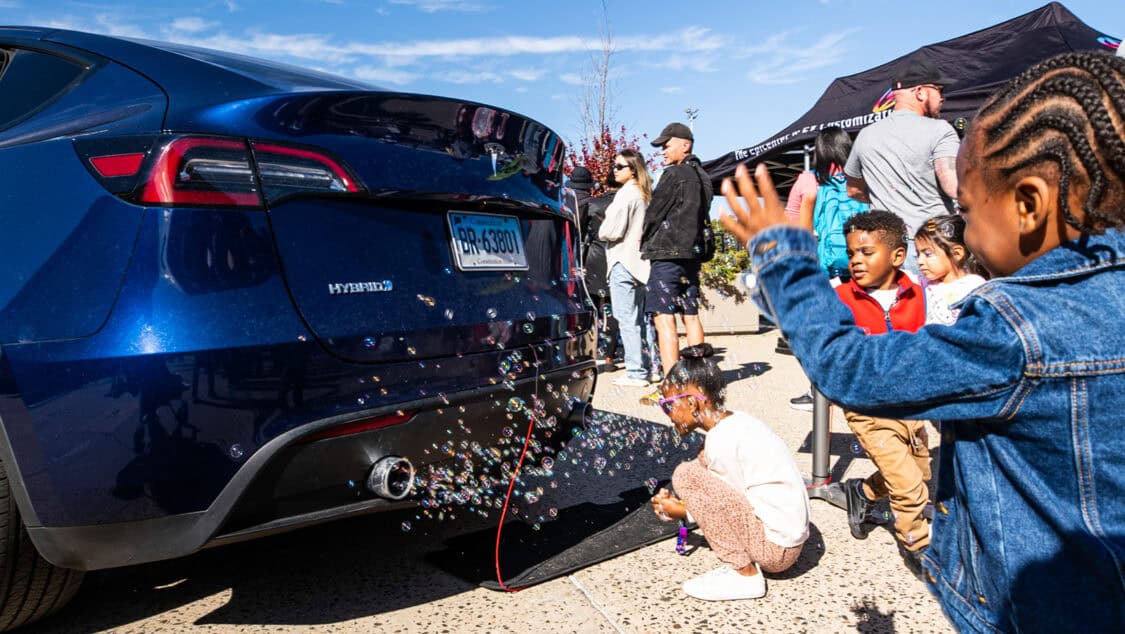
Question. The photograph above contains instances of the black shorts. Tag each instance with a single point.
(673, 287)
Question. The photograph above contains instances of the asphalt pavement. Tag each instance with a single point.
(377, 573)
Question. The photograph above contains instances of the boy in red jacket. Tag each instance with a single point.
(883, 298)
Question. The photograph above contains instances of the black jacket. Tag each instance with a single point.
(678, 213)
(595, 260)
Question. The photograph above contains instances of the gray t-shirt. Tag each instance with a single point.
(895, 157)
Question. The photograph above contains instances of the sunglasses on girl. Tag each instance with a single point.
(666, 404)
(619, 166)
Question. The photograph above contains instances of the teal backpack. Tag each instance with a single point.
(834, 208)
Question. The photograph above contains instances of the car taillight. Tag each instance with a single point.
(212, 171)
(202, 171)
(117, 165)
(287, 171)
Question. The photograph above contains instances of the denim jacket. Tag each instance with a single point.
(1029, 389)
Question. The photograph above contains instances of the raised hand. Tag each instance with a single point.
(751, 215)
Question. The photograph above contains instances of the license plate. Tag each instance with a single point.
(486, 242)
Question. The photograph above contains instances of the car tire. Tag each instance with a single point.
(31, 588)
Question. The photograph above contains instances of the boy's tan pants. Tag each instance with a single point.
(900, 451)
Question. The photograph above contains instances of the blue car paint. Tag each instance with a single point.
(156, 361)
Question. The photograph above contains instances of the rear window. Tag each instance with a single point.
(30, 80)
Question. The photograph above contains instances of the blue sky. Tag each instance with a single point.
(750, 67)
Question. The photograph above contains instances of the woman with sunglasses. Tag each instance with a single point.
(628, 273)
(744, 491)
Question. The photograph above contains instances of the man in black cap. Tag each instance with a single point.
(904, 163)
(677, 240)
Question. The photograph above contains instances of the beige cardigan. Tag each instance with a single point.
(621, 231)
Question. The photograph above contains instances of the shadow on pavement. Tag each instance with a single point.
(378, 564)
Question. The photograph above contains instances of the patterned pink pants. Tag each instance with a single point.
(728, 521)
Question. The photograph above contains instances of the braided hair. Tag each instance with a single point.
(696, 367)
(1064, 118)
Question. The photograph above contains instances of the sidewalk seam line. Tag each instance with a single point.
(594, 603)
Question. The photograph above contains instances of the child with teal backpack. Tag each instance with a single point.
(826, 210)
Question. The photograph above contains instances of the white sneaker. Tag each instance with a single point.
(725, 584)
(628, 381)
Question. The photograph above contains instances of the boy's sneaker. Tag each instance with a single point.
(803, 402)
(628, 381)
(858, 508)
(913, 561)
(725, 584)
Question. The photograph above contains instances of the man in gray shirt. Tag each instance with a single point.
(905, 162)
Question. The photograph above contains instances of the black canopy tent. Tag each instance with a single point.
(980, 62)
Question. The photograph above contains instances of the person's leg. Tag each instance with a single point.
(612, 331)
(888, 443)
(623, 296)
(657, 372)
(694, 328)
(689, 299)
(727, 519)
(667, 339)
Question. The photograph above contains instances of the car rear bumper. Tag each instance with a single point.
(289, 483)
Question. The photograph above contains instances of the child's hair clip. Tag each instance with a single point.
(698, 351)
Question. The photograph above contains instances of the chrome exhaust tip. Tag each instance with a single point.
(391, 477)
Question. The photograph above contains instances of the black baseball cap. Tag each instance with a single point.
(677, 130)
(917, 71)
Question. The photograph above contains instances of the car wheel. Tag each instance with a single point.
(30, 587)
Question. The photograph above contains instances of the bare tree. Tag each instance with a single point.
(596, 101)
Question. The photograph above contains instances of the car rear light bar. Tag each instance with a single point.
(360, 426)
(195, 170)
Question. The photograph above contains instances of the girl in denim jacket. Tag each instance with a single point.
(1029, 532)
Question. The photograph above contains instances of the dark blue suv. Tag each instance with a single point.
(239, 297)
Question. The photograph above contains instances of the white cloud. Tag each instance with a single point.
(693, 63)
(526, 74)
(466, 77)
(192, 24)
(788, 64)
(672, 90)
(433, 6)
(302, 47)
(689, 39)
(571, 78)
(384, 75)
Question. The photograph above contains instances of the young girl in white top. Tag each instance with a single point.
(744, 491)
(951, 272)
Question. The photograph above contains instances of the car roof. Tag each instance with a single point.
(193, 76)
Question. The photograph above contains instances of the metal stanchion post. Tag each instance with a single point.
(820, 487)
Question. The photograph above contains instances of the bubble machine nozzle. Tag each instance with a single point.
(392, 477)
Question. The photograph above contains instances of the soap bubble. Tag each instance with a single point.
(370, 342)
(407, 527)
(426, 299)
(491, 312)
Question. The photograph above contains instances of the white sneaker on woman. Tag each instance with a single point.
(725, 584)
(628, 381)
